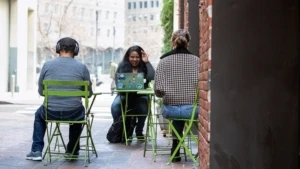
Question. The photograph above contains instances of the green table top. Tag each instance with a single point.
(97, 93)
(127, 91)
(146, 91)
(142, 91)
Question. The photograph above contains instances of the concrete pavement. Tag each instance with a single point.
(15, 143)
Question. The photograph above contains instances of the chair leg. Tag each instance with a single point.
(91, 139)
(50, 138)
(177, 157)
(58, 133)
(182, 143)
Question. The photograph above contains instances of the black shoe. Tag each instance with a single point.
(68, 154)
(140, 136)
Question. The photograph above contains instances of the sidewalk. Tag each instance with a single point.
(15, 143)
(28, 97)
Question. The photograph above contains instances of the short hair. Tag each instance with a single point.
(180, 38)
(67, 44)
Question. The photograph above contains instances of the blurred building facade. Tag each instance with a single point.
(18, 44)
(95, 24)
(143, 26)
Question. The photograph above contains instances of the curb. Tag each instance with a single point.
(4, 102)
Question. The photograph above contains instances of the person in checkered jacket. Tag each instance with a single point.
(176, 80)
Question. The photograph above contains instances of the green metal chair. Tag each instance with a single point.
(188, 135)
(89, 146)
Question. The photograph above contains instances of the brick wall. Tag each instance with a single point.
(205, 69)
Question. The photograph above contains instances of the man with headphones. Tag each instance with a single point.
(64, 67)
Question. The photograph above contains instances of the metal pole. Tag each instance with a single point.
(97, 13)
(12, 85)
(114, 34)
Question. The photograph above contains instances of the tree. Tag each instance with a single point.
(167, 23)
(60, 22)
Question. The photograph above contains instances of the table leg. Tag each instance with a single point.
(89, 110)
(124, 112)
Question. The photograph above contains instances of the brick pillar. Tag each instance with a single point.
(186, 14)
(180, 14)
(205, 69)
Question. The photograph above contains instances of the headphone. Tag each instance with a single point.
(76, 49)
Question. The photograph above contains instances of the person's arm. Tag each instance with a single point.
(40, 82)
(149, 67)
(159, 81)
(150, 71)
(86, 77)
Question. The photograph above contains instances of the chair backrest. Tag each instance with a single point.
(65, 93)
(195, 104)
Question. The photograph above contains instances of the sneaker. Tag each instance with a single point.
(140, 136)
(35, 156)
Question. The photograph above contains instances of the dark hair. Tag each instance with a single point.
(68, 45)
(180, 38)
(125, 64)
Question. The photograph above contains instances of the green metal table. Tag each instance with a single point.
(124, 110)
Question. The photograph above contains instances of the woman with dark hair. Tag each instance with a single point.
(135, 61)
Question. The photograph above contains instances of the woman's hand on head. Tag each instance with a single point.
(144, 57)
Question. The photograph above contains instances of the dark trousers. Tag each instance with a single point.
(39, 127)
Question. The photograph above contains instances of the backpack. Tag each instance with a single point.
(115, 132)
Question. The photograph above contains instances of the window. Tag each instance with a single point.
(129, 18)
(151, 17)
(152, 4)
(157, 4)
(99, 32)
(74, 10)
(115, 15)
(145, 17)
(107, 15)
(108, 33)
(82, 12)
(56, 9)
(134, 5)
(45, 25)
(92, 12)
(65, 9)
(47, 6)
(141, 4)
(92, 32)
(129, 5)
(145, 4)
(134, 18)
(100, 14)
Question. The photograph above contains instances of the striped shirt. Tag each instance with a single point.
(176, 77)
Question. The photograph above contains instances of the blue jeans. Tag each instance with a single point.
(39, 127)
(137, 103)
(179, 112)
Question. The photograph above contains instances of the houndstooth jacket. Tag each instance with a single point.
(176, 77)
